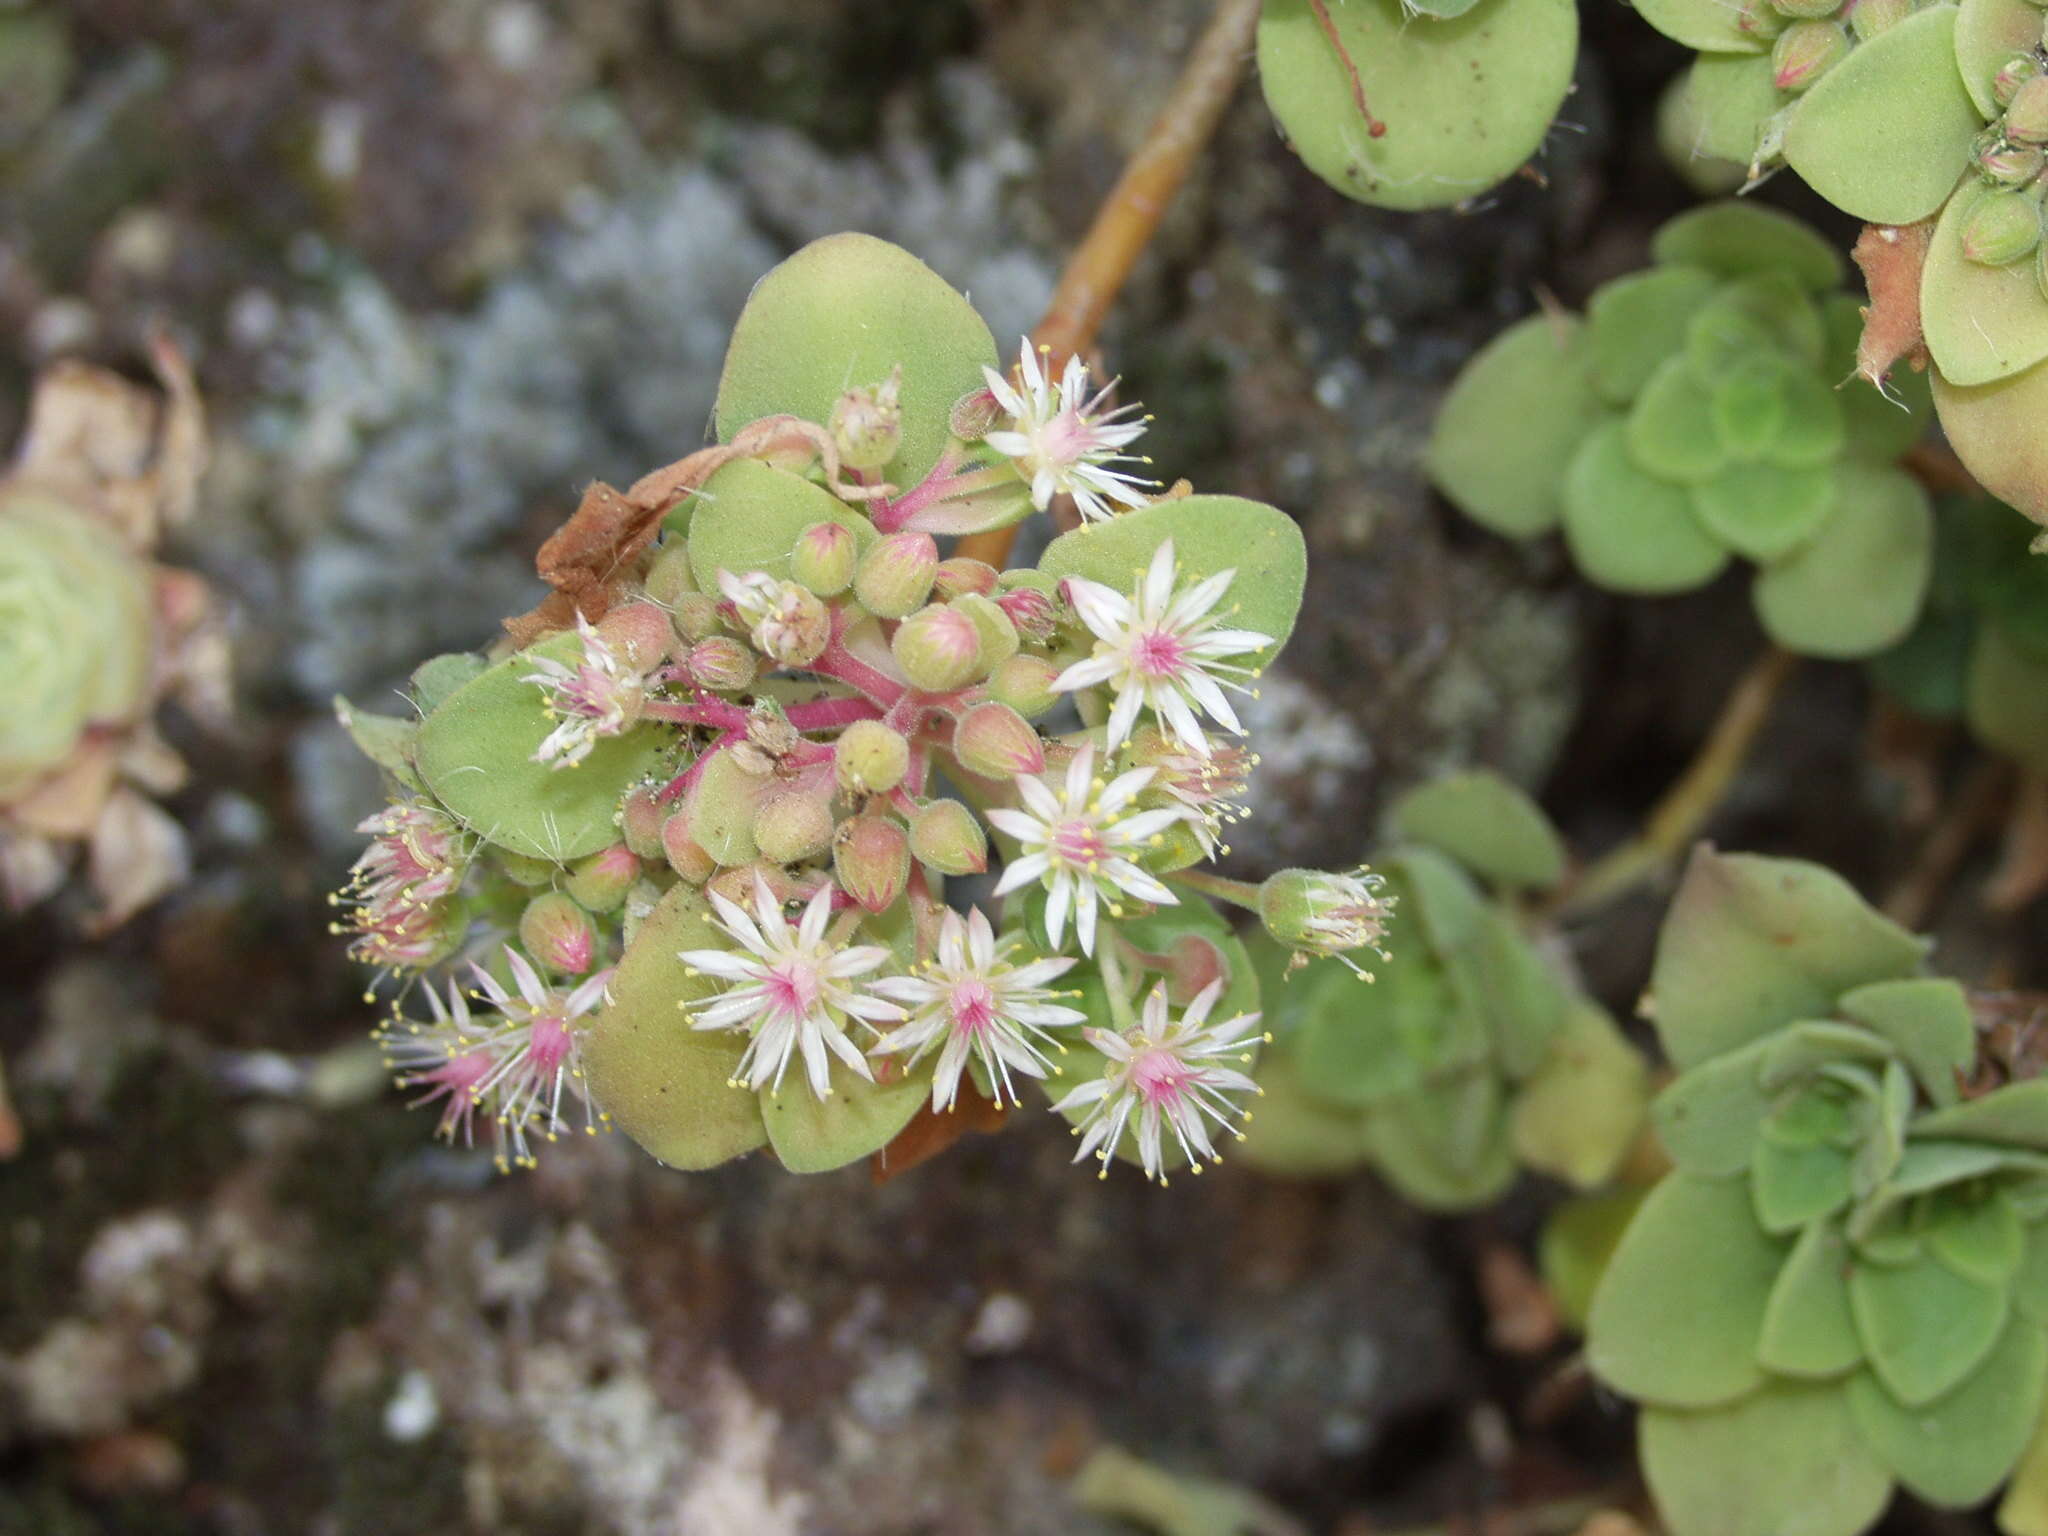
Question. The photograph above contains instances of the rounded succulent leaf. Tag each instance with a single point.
(475, 755)
(1708, 25)
(1295, 1132)
(1812, 427)
(1983, 323)
(1464, 101)
(1955, 1451)
(723, 806)
(1765, 512)
(2013, 1116)
(1885, 133)
(858, 1119)
(1925, 1327)
(2024, 1509)
(1988, 32)
(1857, 587)
(1736, 238)
(1629, 531)
(1709, 1117)
(1792, 1185)
(842, 312)
(1445, 1147)
(1485, 822)
(749, 516)
(1514, 417)
(1927, 1020)
(1729, 98)
(1671, 426)
(1577, 1244)
(1995, 431)
(1501, 980)
(1580, 1112)
(1809, 1330)
(2007, 702)
(1635, 322)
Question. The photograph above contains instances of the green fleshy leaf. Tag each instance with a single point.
(666, 1085)
(1465, 101)
(1446, 1146)
(1578, 1242)
(1983, 323)
(1706, 25)
(1786, 1462)
(1955, 1452)
(1877, 425)
(1766, 315)
(2030, 1286)
(2007, 701)
(1794, 1054)
(1885, 133)
(385, 740)
(1928, 671)
(1925, 1327)
(1993, 429)
(1765, 512)
(1980, 1239)
(1438, 895)
(748, 518)
(813, 1135)
(841, 313)
(1925, 1166)
(2013, 1116)
(1629, 531)
(1710, 1117)
(2008, 588)
(722, 809)
(1210, 534)
(1501, 980)
(1294, 1132)
(1671, 427)
(1808, 1327)
(1988, 32)
(1353, 1042)
(2024, 1509)
(434, 679)
(1752, 944)
(1927, 1018)
(1730, 97)
(1677, 1316)
(1738, 238)
(1579, 1114)
(1858, 586)
(1635, 322)
(1796, 1185)
(1485, 822)
(1510, 424)
(475, 754)
(1814, 428)
(1749, 410)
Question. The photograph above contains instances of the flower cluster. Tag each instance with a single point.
(704, 826)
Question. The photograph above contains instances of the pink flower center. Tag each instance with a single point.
(1068, 438)
(1078, 841)
(1159, 1076)
(974, 1006)
(1158, 653)
(792, 989)
(551, 1043)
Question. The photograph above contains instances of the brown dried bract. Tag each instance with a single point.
(1891, 256)
(930, 1133)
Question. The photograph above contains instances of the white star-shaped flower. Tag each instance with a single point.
(979, 1005)
(1078, 843)
(1171, 1074)
(790, 987)
(1160, 649)
(1061, 440)
(600, 696)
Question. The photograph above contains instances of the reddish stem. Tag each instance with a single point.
(825, 714)
(680, 784)
(727, 717)
(890, 516)
(1324, 20)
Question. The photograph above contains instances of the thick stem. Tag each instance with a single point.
(829, 714)
(1676, 819)
(836, 661)
(1239, 893)
(727, 717)
(1127, 219)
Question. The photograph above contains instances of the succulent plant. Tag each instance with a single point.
(1470, 1056)
(1843, 1284)
(1416, 103)
(1691, 416)
(94, 636)
(690, 841)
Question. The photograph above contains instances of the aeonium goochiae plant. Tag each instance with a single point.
(679, 864)
(1842, 1285)
(1475, 1055)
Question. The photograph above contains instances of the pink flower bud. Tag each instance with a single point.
(558, 934)
(1034, 613)
(871, 857)
(824, 558)
(671, 575)
(895, 576)
(867, 424)
(998, 635)
(1869, 18)
(1805, 51)
(960, 575)
(2003, 228)
(869, 758)
(2012, 74)
(600, 882)
(973, 414)
(1025, 684)
(791, 828)
(721, 664)
(945, 835)
(996, 742)
(640, 822)
(2026, 115)
(640, 634)
(937, 648)
(685, 855)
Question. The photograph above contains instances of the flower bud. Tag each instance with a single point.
(2041, 269)
(1869, 18)
(1034, 613)
(824, 557)
(525, 869)
(640, 822)
(974, 414)
(685, 855)
(960, 575)
(867, 423)
(996, 742)
(600, 882)
(1025, 684)
(871, 857)
(997, 634)
(2002, 228)
(671, 576)
(895, 575)
(1806, 50)
(641, 901)
(945, 835)
(2012, 74)
(721, 664)
(787, 624)
(695, 615)
(1759, 19)
(640, 634)
(1317, 913)
(558, 934)
(791, 828)
(2026, 115)
(2005, 164)
(869, 758)
(937, 648)
(1806, 10)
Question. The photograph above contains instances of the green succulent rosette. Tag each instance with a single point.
(1468, 1057)
(1842, 1287)
(1693, 415)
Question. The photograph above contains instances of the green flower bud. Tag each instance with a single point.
(871, 857)
(959, 576)
(1025, 684)
(524, 868)
(721, 664)
(824, 557)
(945, 835)
(2012, 74)
(1869, 18)
(938, 648)
(695, 615)
(75, 640)
(869, 758)
(2026, 115)
(2002, 228)
(791, 828)
(996, 742)
(600, 882)
(2005, 164)
(1805, 51)
(1759, 19)
(558, 935)
(1317, 913)
(2041, 269)
(639, 634)
(685, 855)
(895, 575)
(1806, 10)
(640, 822)
(670, 576)
(867, 424)
(998, 635)
(973, 414)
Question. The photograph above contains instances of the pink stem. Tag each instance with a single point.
(681, 783)
(727, 717)
(890, 516)
(837, 661)
(824, 714)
